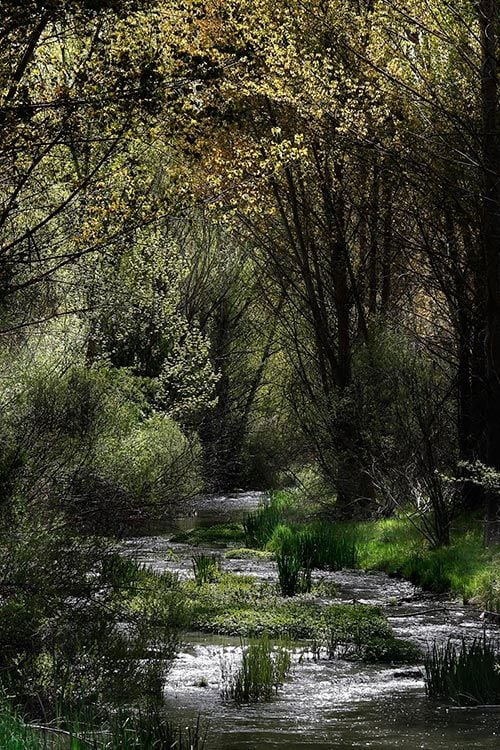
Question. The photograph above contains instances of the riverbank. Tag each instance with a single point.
(465, 568)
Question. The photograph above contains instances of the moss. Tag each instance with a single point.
(220, 535)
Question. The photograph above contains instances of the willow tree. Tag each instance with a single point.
(281, 135)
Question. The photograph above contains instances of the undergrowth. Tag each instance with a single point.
(242, 606)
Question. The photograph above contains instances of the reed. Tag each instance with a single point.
(294, 578)
(260, 525)
(317, 545)
(264, 668)
(206, 568)
(327, 546)
(467, 674)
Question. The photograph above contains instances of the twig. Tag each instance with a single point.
(422, 612)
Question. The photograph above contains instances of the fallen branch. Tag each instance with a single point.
(419, 614)
(64, 732)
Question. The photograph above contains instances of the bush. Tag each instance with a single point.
(65, 600)
(155, 462)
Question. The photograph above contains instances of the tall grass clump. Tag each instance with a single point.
(260, 525)
(323, 546)
(467, 674)
(330, 546)
(264, 668)
(293, 576)
(206, 568)
(15, 735)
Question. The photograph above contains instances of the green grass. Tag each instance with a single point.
(465, 568)
(264, 668)
(467, 674)
(15, 735)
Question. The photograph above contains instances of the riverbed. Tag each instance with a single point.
(327, 705)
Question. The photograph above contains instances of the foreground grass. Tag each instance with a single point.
(131, 731)
(14, 735)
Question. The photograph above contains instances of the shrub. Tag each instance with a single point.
(61, 638)
(155, 463)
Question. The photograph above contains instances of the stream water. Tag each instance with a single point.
(326, 705)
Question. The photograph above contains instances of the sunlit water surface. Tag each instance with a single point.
(332, 705)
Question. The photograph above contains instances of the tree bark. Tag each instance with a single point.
(490, 236)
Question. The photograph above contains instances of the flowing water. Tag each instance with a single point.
(326, 705)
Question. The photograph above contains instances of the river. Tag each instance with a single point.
(326, 705)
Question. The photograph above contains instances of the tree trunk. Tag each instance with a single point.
(490, 235)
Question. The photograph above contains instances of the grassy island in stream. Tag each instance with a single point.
(244, 606)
